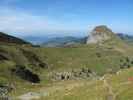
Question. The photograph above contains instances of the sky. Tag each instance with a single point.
(41, 17)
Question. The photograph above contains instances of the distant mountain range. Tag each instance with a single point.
(125, 37)
(36, 39)
(64, 41)
(57, 41)
(69, 40)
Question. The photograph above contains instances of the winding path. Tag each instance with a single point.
(111, 95)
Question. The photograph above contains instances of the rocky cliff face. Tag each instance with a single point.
(100, 34)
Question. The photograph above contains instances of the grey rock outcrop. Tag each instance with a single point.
(100, 34)
(83, 73)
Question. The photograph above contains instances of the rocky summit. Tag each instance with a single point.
(100, 34)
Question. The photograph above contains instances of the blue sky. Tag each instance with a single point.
(40, 17)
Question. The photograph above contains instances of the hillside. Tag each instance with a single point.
(110, 87)
(22, 66)
(4, 38)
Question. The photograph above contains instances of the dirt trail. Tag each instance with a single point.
(29, 96)
(68, 85)
(46, 91)
(111, 95)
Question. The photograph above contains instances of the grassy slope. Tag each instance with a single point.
(16, 57)
(117, 87)
(110, 87)
(64, 59)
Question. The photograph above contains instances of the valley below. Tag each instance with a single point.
(99, 69)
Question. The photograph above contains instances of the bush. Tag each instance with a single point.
(3, 81)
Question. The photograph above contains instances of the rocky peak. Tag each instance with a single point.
(102, 28)
(99, 34)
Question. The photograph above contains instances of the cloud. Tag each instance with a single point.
(22, 23)
(16, 22)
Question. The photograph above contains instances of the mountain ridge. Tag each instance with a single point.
(5, 38)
